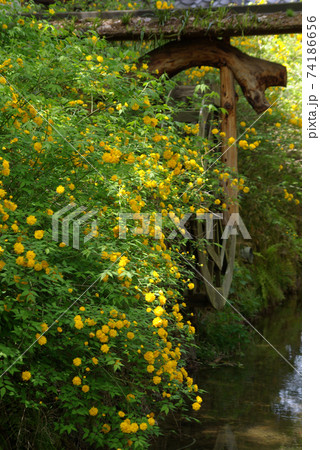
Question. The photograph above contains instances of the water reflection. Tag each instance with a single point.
(290, 396)
(257, 406)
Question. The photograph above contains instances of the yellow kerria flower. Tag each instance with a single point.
(20, 260)
(77, 362)
(93, 411)
(41, 340)
(31, 220)
(18, 248)
(30, 263)
(143, 426)
(60, 189)
(106, 428)
(196, 406)
(37, 146)
(39, 234)
(44, 326)
(190, 285)
(158, 311)
(76, 381)
(85, 388)
(105, 348)
(30, 254)
(26, 375)
(150, 297)
(37, 267)
(134, 427)
(157, 322)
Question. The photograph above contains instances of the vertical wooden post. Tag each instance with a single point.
(229, 127)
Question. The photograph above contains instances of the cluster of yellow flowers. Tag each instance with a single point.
(163, 5)
(150, 121)
(42, 340)
(199, 72)
(5, 168)
(132, 427)
(191, 130)
(290, 197)
(162, 365)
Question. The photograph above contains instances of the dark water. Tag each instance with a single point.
(256, 406)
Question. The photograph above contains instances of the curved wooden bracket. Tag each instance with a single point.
(254, 75)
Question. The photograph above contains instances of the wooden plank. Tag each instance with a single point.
(227, 280)
(137, 25)
(214, 294)
(216, 258)
(186, 116)
(229, 127)
(182, 92)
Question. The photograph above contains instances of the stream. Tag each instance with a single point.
(256, 405)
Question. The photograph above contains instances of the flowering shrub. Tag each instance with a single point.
(95, 340)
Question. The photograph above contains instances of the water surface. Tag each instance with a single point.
(256, 405)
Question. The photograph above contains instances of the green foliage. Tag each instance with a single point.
(272, 211)
(269, 155)
(274, 274)
(221, 334)
(95, 340)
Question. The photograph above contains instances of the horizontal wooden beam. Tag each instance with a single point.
(219, 22)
